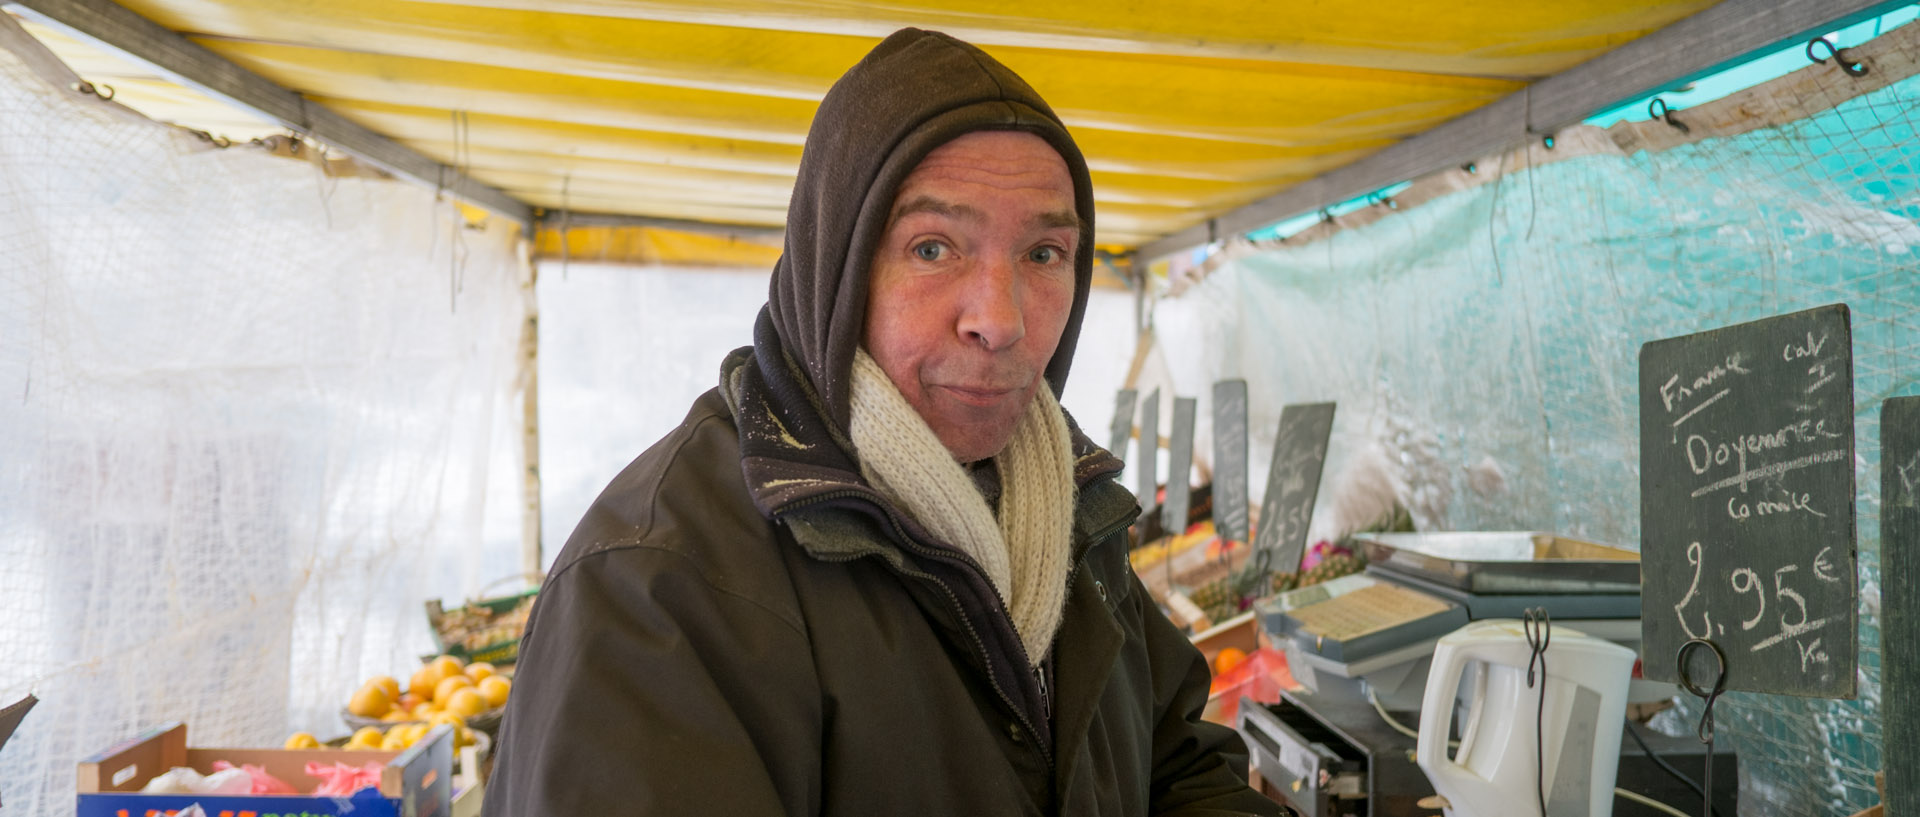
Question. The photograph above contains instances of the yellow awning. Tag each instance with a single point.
(697, 111)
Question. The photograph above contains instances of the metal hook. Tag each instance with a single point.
(1470, 167)
(1688, 683)
(1658, 109)
(102, 90)
(1547, 141)
(1538, 626)
(1852, 67)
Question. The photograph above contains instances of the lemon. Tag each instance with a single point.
(394, 741)
(448, 686)
(423, 710)
(414, 732)
(494, 689)
(395, 716)
(368, 737)
(466, 703)
(387, 683)
(480, 671)
(370, 702)
(448, 665)
(424, 681)
(301, 740)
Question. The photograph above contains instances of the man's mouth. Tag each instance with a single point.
(978, 395)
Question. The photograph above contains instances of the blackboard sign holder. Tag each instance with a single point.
(1747, 506)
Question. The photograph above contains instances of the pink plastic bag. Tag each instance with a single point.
(341, 780)
(263, 783)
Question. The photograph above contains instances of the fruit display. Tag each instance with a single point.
(1218, 599)
(444, 689)
(398, 737)
(1332, 567)
(484, 630)
(1159, 550)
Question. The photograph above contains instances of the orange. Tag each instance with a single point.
(422, 711)
(480, 671)
(448, 686)
(301, 740)
(495, 690)
(1227, 659)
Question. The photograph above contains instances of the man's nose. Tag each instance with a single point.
(991, 312)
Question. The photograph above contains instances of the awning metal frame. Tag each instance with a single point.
(1710, 41)
(181, 60)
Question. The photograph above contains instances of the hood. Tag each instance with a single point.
(914, 92)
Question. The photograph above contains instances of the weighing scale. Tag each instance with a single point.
(1350, 642)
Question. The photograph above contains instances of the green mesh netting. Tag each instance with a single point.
(1484, 344)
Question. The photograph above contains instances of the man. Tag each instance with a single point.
(878, 571)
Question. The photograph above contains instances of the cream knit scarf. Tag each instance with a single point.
(1025, 551)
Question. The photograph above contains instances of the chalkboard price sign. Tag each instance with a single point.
(1230, 495)
(1148, 475)
(1747, 504)
(1293, 483)
(1900, 589)
(1173, 517)
(1122, 426)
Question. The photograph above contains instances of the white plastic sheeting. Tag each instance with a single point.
(250, 418)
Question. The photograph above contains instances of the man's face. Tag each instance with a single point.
(972, 285)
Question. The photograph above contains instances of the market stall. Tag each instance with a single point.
(271, 368)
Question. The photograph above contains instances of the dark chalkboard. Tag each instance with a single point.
(1746, 503)
(1122, 426)
(1173, 515)
(1230, 494)
(1293, 483)
(1148, 460)
(1900, 587)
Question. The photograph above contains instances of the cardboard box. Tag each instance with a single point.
(417, 782)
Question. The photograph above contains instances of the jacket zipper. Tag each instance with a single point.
(980, 644)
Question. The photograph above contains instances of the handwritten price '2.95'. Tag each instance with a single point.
(1790, 607)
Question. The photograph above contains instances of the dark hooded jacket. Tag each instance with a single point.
(740, 625)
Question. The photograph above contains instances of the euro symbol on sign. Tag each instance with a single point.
(1823, 569)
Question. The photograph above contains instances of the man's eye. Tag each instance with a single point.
(929, 250)
(1044, 255)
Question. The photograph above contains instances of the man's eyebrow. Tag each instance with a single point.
(940, 207)
(1058, 219)
(928, 204)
